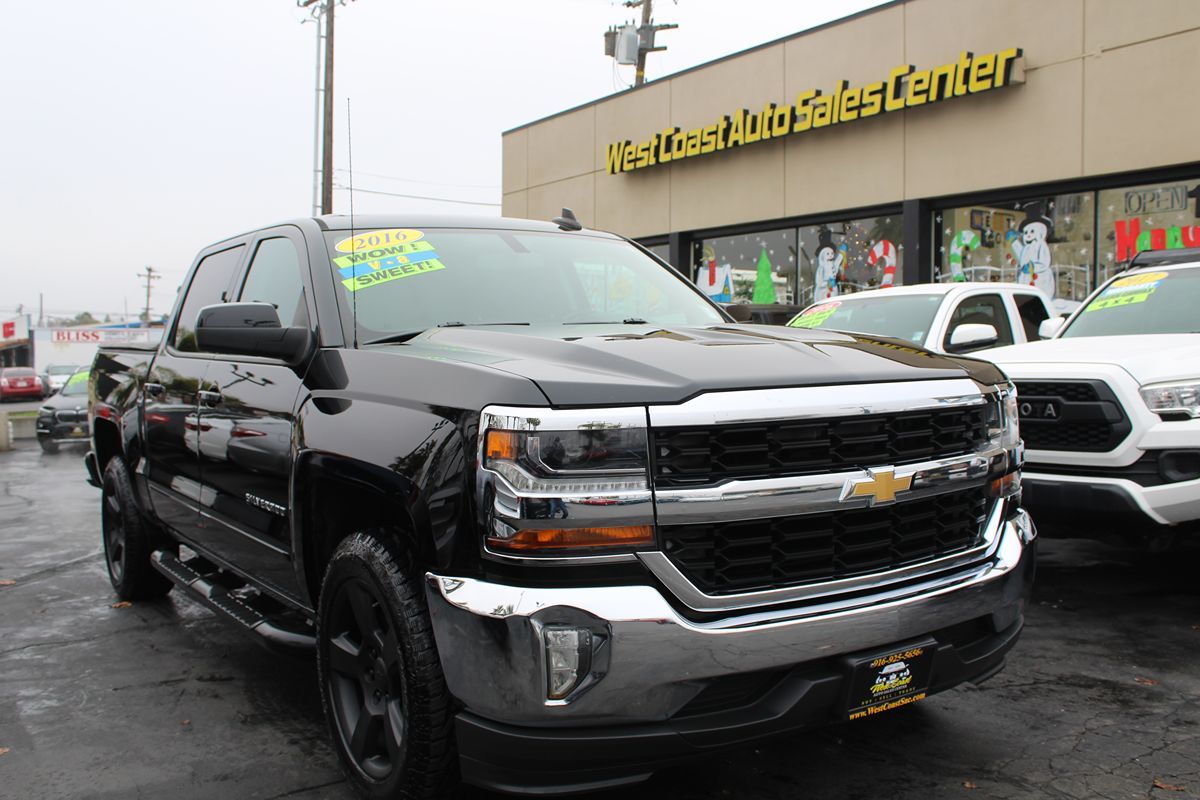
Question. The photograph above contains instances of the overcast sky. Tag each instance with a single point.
(137, 131)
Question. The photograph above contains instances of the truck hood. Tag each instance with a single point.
(639, 364)
(1149, 358)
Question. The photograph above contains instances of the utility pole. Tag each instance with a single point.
(151, 275)
(639, 77)
(41, 312)
(324, 123)
(327, 126)
(629, 44)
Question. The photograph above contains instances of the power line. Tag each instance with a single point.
(419, 197)
(427, 183)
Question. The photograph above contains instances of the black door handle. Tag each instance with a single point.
(210, 399)
(153, 389)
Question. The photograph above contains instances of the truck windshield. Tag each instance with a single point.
(903, 316)
(400, 280)
(77, 384)
(1149, 302)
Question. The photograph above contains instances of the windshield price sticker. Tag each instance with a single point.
(1126, 291)
(376, 257)
(380, 238)
(814, 316)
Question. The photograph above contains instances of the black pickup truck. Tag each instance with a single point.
(548, 517)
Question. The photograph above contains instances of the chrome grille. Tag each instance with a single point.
(686, 456)
(739, 556)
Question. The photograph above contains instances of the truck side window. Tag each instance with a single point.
(274, 277)
(1033, 312)
(984, 309)
(213, 275)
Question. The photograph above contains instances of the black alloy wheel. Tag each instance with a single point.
(385, 698)
(366, 679)
(127, 539)
(113, 525)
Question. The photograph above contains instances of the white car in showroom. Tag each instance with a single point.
(1110, 406)
(942, 317)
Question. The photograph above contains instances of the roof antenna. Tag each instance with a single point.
(567, 221)
(353, 237)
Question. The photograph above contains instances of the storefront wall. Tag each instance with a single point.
(1051, 181)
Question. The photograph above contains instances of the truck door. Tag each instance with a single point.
(246, 426)
(172, 399)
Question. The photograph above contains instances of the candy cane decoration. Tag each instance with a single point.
(963, 240)
(884, 251)
(1010, 236)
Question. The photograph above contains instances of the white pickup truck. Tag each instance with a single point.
(1110, 406)
(942, 317)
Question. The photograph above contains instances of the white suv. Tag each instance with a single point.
(1110, 407)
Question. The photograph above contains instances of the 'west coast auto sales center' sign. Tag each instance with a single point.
(904, 87)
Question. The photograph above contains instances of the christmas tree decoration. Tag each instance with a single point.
(764, 284)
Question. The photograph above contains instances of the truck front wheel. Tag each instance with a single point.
(382, 687)
(127, 539)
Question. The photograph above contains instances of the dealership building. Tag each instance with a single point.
(927, 140)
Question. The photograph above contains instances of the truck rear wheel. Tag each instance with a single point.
(382, 687)
(127, 539)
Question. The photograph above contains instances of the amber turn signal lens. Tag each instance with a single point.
(1005, 486)
(563, 538)
(501, 445)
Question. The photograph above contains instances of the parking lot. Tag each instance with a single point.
(1101, 698)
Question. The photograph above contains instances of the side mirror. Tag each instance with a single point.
(972, 336)
(739, 311)
(1049, 328)
(249, 329)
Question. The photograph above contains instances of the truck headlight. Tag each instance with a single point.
(1004, 427)
(599, 459)
(564, 483)
(1180, 399)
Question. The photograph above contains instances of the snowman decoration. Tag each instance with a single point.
(1033, 254)
(829, 261)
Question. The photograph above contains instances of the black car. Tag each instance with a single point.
(64, 418)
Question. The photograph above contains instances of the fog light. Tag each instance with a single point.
(568, 657)
(1179, 465)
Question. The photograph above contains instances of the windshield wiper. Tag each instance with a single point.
(404, 336)
(630, 321)
(476, 324)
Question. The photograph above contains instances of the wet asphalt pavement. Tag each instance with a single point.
(1101, 697)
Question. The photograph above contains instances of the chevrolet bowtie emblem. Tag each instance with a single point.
(881, 487)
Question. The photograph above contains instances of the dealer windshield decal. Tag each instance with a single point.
(813, 317)
(1127, 291)
(382, 256)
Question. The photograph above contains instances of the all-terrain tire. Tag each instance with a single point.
(128, 540)
(385, 698)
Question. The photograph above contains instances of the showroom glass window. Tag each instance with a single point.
(1047, 242)
(1149, 217)
(749, 268)
(849, 256)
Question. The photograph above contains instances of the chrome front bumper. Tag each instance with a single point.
(652, 660)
